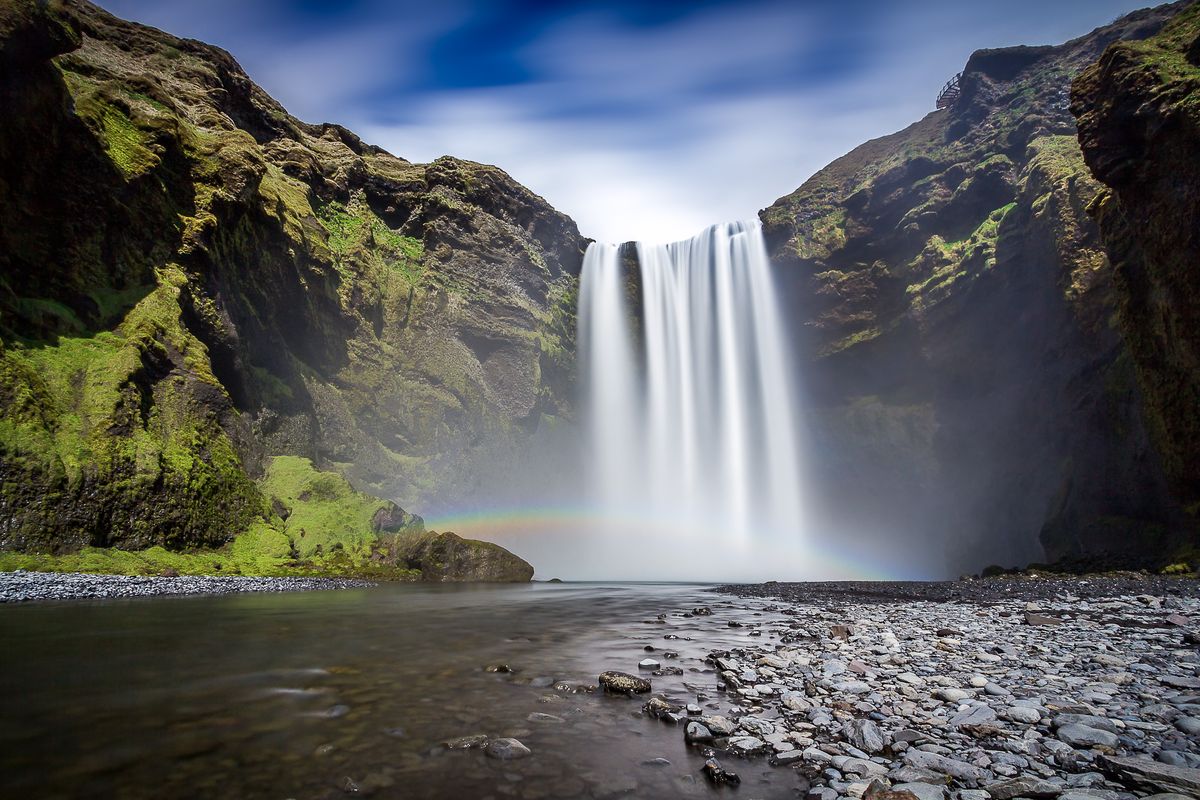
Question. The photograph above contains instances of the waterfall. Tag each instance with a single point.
(687, 390)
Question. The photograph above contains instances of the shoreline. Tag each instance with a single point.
(23, 586)
(1080, 688)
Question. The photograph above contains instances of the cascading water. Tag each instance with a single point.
(688, 395)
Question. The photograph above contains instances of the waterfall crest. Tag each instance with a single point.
(688, 396)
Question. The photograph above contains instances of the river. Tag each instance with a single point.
(328, 693)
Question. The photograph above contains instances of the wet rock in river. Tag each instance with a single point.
(718, 775)
(697, 733)
(648, 663)
(466, 742)
(623, 683)
(507, 749)
(719, 725)
(659, 708)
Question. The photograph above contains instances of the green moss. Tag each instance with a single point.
(325, 511)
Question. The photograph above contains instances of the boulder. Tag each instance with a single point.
(449, 558)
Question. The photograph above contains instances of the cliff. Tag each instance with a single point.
(955, 301)
(1139, 123)
(192, 282)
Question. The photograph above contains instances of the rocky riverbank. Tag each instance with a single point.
(22, 586)
(1080, 689)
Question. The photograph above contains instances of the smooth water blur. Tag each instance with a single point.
(316, 694)
(692, 422)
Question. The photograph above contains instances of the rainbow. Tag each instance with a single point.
(514, 523)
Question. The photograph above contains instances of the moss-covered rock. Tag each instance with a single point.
(192, 281)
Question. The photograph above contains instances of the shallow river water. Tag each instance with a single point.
(338, 693)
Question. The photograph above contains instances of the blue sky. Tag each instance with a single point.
(639, 119)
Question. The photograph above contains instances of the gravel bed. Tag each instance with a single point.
(20, 586)
(1017, 687)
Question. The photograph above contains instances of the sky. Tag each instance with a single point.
(641, 120)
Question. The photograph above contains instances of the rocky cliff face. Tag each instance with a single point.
(1139, 124)
(193, 281)
(970, 388)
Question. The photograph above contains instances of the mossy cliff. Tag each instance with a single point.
(957, 308)
(192, 281)
(1139, 124)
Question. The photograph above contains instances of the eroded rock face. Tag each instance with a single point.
(954, 303)
(192, 280)
(1139, 124)
(447, 557)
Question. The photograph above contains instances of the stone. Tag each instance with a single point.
(968, 773)
(922, 791)
(623, 683)
(466, 742)
(794, 701)
(539, 717)
(658, 707)
(865, 735)
(878, 790)
(648, 663)
(720, 726)
(1025, 786)
(695, 733)
(817, 756)
(1022, 714)
(1188, 725)
(506, 749)
(1040, 619)
(718, 775)
(1090, 720)
(1083, 736)
(975, 715)
(951, 695)
(1152, 774)
(745, 745)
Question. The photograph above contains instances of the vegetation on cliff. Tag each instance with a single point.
(192, 282)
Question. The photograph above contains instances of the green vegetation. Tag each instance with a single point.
(326, 514)
(328, 530)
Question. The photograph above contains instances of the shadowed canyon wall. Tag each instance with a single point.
(970, 387)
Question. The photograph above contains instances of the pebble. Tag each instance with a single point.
(23, 586)
(953, 700)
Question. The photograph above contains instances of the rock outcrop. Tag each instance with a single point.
(1139, 125)
(449, 558)
(193, 281)
(955, 303)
